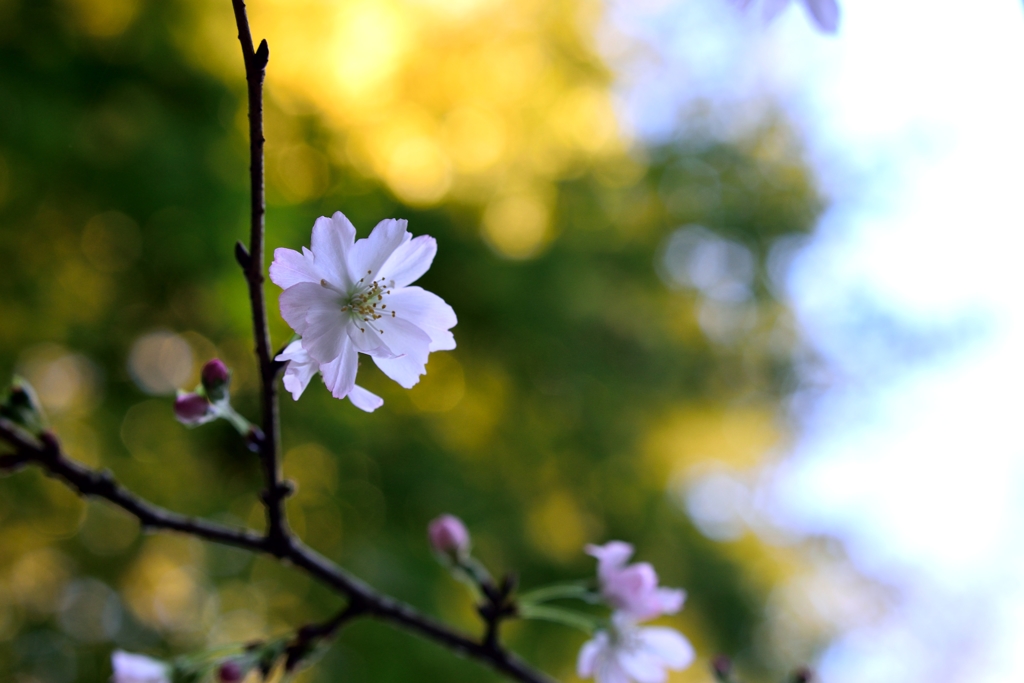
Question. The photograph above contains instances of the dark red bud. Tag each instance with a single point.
(721, 666)
(215, 374)
(230, 672)
(191, 408)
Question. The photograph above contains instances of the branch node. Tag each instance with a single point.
(51, 445)
(262, 55)
(242, 255)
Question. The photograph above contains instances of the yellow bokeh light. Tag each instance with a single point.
(37, 579)
(102, 18)
(64, 381)
(738, 438)
(161, 587)
(313, 468)
(418, 171)
(557, 527)
(475, 138)
(437, 99)
(300, 173)
(518, 226)
(442, 387)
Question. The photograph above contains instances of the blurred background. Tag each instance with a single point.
(740, 293)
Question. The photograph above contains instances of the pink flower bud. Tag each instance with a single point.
(721, 666)
(215, 375)
(448, 535)
(191, 409)
(230, 672)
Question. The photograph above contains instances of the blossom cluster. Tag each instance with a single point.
(627, 651)
(622, 650)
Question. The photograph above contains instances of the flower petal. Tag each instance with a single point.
(368, 255)
(403, 338)
(331, 243)
(300, 370)
(610, 671)
(315, 313)
(670, 600)
(427, 311)
(668, 645)
(412, 346)
(772, 8)
(610, 556)
(365, 400)
(586, 663)
(340, 373)
(297, 300)
(133, 668)
(642, 666)
(825, 14)
(409, 261)
(290, 268)
(293, 351)
(368, 339)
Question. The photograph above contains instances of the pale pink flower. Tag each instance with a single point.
(627, 652)
(132, 668)
(346, 296)
(448, 535)
(302, 368)
(825, 13)
(633, 589)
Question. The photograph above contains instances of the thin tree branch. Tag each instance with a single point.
(275, 491)
(364, 601)
(92, 483)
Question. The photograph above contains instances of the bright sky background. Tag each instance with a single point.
(910, 443)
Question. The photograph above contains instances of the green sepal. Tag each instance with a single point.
(562, 591)
(584, 622)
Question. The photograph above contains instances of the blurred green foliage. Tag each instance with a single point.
(589, 382)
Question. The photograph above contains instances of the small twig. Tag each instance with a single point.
(12, 463)
(307, 637)
(499, 606)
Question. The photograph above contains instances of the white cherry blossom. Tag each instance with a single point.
(346, 296)
(627, 652)
(133, 668)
